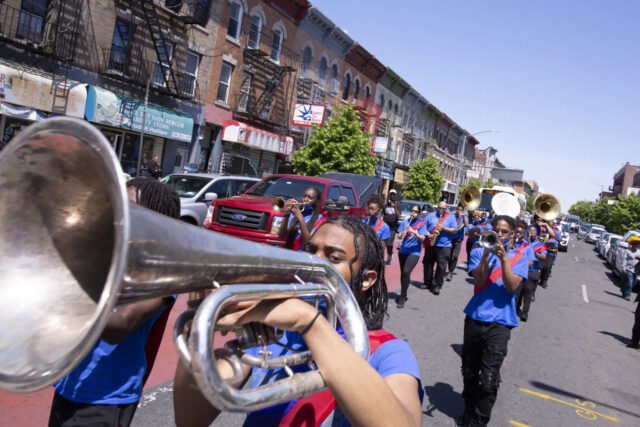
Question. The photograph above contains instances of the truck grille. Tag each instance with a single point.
(242, 218)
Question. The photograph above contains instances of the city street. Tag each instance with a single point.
(567, 366)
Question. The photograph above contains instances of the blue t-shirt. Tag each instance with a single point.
(494, 303)
(469, 227)
(392, 357)
(536, 262)
(444, 239)
(383, 233)
(410, 245)
(307, 213)
(110, 374)
(459, 223)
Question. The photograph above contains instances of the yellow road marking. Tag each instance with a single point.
(582, 408)
(517, 424)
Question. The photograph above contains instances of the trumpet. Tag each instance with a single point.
(94, 250)
(488, 239)
(279, 204)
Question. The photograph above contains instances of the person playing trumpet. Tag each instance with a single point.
(412, 231)
(550, 236)
(456, 241)
(442, 227)
(301, 219)
(490, 315)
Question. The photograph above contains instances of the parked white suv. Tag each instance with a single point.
(198, 190)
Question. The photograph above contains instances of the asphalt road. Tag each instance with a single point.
(567, 366)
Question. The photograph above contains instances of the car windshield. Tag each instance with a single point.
(597, 231)
(285, 187)
(406, 206)
(614, 240)
(186, 186)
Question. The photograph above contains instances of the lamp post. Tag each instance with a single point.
(461, 158)
(601, 187)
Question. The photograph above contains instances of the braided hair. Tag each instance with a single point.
(154, 195)
(370, 254)
(293, 227)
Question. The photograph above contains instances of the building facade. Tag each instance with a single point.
(626, 180)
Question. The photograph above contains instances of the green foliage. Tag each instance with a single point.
(529, 206)
(425, 183)
(340, 146)
(619, 217)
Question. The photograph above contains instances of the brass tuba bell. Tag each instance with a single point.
(470, 198)
(546, 206)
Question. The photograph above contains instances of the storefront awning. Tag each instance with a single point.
(111, 109)
(22, 112)
(242, 133)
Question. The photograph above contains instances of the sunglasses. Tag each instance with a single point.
(502, 231)
(413, 211)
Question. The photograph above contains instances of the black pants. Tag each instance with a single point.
(439, 256)
(484, 350)
(71, 414)
(635, 332)
(407, 264)
(456, 245)
(525, 292)
(470, 247)
(545, 269)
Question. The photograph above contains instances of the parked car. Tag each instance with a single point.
(198, 190)
(563, 245)
(596, 247)
(606, 242)
(594, 234)
(252, 216)
(617, 251)
(405, 208)
(583, 230)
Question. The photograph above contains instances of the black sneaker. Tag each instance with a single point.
(463, 420)
(425, 286)
(524, 316)
(400, 303)
(436, 291)
(449, 277)
(633, 345)
(543, 285)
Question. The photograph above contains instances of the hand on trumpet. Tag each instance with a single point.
(500, 252)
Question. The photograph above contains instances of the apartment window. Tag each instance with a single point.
(31, 21)
(254, 31)
(367, 92)
(163, 62)
(322, 71)
(306, 61)
(345, 88)
(381, 101)
(276, 45)
(245, 89)
(334, 71)
(356, 89)
(188, 80)
(225, 82)
(120, 44)
(235, 21)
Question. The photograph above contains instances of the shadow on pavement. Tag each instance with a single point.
(614, 279)
(443, 398)
(623, 340)
(457, 348)
(615, 294)
(560, 391)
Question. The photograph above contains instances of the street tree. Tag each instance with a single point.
(584, 209)
(625, 215)
(477, 183)
(425, 182)
(339, 146)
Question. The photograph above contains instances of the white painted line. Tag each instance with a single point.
(573, 245)
(584, 294)
(576, 258)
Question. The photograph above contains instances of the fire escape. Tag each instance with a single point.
(63, 48)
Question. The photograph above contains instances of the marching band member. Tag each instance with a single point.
(391, 216)
(550, 236)
(375, 219)
(442, 227)
(491, 314)
(412, 231)
(384, 391)
(298, 224)
(473, 232)
(528, 289)
(456, 241)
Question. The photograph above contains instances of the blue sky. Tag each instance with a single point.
(560, 80)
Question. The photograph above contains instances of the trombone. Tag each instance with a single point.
(279, 204)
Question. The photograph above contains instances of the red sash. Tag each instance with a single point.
(313, 410)
(155, 338)
(297, 243)
(379, 225)
(426, 241)
(415, 227)
(540, 248)
(522, 247)
(497, 273)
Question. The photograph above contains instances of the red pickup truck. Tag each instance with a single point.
(251, 215)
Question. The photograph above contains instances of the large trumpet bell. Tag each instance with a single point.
(72, 247)
(546, 206)
(470, 198)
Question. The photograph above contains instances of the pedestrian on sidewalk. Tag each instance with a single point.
(491, 314)
(442, 227)
(391, 218)
(412, 232)
(154, 169)
(630, 260)
(456, 240)
(105, 387)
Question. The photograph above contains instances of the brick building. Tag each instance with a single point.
(626, 180)
(94, 60)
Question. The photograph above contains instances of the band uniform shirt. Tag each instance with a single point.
(469, 227)
(460, 234)
(110, 374)
(554, 241)
(494, 303)
(410, 245)
(307, 213)
(540, 248)
(392, 357)
(444, 239)
(383, 231)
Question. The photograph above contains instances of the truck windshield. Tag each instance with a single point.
(285, 187)
(186, 186)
